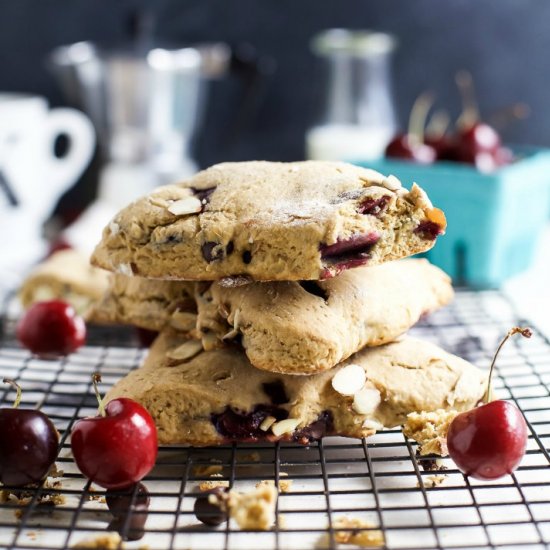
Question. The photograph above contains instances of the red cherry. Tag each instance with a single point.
(411, 145)
(28, 444)
(504, 156)
(404, 147)
(51, 329)
(477, 141)
(443, 145)
(116, 449)
(489, 441)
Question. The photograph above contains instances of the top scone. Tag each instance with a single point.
(269, 221)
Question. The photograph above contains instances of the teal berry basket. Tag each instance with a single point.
(494, 220)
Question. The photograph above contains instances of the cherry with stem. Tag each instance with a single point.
(411, 145)
(28, 443)
(489, 441)
(117, 448)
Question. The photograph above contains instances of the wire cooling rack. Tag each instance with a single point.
(379, 480)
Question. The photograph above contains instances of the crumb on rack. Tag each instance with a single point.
(210, 484)
(255, 509)
(249, 457)
(430, 463)
(93, 495)
(49, 497)
(285, 485)
(204, 470)
(110, 541)
(358, 532)
(429, 430)
(55, 472)
(432, 481)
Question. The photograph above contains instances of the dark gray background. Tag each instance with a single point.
(504, 43)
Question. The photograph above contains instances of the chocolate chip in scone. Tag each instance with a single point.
(203, 194)
(134, 268)
(229, 248)
(374, 207)
(276, 392)
(212, 251)
(247, 257)
(314, 288)
(324, 425)
(428, 230)
(172, 239)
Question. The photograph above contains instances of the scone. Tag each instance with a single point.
(217, 397)
(269, 221)
(147, 303)
(310, 326)
(65, 275)
(287, 327)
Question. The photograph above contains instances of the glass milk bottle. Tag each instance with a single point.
(358, 118)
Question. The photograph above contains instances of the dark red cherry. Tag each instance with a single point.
(444, 147)
(28, 444)
(51, 329)
(405, 146)
(130, 509)
(476, 139)
(209, 508)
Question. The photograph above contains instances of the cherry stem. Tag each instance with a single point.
(526, 332)
(96, 379)
(438, 125)
(17, 388)
(470, 110)
(419, 113)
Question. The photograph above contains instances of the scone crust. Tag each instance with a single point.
(410, 375)
(269, 221)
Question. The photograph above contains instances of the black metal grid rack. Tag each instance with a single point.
(380, 480)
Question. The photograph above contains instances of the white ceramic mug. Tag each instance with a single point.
(34, 178)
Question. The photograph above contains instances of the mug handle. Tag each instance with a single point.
(65, 171)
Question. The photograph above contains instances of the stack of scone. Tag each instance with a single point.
(281, 298)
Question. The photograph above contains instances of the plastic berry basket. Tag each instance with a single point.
(494, 220)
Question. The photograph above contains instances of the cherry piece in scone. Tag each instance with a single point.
(356, 244)
(489, 441)
(51, 329)
(119, 447)
(28, 444)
